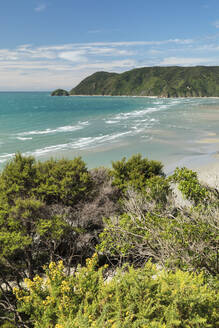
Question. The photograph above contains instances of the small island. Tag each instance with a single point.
(60, 92)
(172, 81)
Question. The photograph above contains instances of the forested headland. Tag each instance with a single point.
(172, 81)
(107, 247)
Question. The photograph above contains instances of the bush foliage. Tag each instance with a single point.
(145, 297)
(190, 186)
(135, 172)
(60, 210)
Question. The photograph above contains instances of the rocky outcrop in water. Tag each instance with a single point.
(60, 92)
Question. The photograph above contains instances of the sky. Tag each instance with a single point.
(52, 44)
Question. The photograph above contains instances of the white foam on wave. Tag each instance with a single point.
(157, 106)
(137, 113)
(141, 127)
(67, 128)
(111, 122)
(81, 143)
(24, 138)
(134, 114)
(158, 102)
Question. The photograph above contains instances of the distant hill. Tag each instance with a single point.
(174, 81)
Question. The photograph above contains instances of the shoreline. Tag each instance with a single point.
(209, 174)
(207, 169)
(130, 96)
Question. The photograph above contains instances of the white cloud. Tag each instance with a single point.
(142, 43)
(38, 80)
(119, 44)
(103, 47)
(73, 56)
(28, 67)
(111, 65)
(107, 51)
(185, 61)
(154, 52)
(32, 76)
(6, 54)
(40, 7)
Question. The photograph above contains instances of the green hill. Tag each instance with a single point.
(199, 81)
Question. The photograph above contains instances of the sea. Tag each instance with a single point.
(177, 131)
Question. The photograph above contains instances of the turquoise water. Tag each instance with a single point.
(102, 129)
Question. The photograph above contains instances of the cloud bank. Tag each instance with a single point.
(28, 67)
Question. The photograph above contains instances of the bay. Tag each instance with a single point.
(179, 131)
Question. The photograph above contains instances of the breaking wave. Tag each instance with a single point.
(67, 128)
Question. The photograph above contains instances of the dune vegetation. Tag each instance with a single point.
(107, 247)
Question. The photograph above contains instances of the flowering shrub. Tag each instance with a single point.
(140, 298)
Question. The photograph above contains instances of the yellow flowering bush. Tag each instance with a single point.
(137, 298)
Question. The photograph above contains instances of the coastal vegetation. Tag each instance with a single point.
(107, 247)
(173, 81)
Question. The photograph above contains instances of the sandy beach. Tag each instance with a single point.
(209, 174)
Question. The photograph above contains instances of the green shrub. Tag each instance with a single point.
(134, 172)
(189, 185)
(18, 179)
(185, 240)
(157, 190)
(65, 181)
(29, 237)
(7, 325)
(146, 297)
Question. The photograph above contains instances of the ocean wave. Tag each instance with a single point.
(137, 113)
(134, 114)
(141, 113)
(82, 143)
(111, 122)
(67, 128)
(24, 138)
(140, 128)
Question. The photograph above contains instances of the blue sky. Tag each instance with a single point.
(49, 44)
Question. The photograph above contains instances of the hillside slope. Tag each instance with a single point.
(199, 81)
